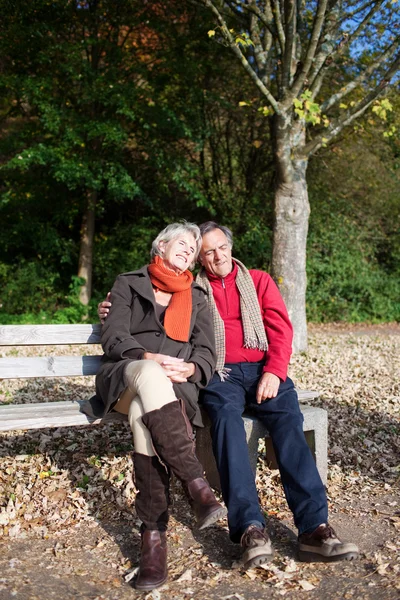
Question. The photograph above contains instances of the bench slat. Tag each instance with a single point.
(34, 335)
(67, 413)
(47, 414)
(37, 416)
(305, 395)
(52, 366)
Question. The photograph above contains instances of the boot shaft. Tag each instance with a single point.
(152, 497)
(173, 440)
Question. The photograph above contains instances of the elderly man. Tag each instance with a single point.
(253, 338)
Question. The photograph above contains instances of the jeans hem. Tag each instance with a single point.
(309, 528)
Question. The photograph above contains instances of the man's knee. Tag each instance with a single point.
(222, 414)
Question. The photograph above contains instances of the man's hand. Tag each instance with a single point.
(175, 369)
(267, 387)
(104, 308)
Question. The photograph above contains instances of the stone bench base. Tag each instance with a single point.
(315, 431)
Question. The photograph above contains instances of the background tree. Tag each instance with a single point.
(318, 67)
(74, 75)
(187, 137)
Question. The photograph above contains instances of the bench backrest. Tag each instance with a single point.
(48, 335)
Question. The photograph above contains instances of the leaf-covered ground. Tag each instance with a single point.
(68, 528)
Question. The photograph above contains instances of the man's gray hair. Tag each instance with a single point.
(170, 232)
(212, 225)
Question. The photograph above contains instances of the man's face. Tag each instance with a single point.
(216, 253)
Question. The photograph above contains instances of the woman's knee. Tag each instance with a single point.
(142, 371)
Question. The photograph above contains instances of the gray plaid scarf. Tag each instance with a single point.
(253, 326)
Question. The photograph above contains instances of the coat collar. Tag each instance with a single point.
(139, 281)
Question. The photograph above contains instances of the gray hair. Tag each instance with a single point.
(174, 230)
(212, 225)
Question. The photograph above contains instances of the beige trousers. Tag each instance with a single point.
(148, 388)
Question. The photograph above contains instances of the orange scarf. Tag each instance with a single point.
(179, 310)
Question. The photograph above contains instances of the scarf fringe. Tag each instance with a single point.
(254, 344)
(224, 373)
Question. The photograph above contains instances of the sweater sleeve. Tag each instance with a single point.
(278, 327)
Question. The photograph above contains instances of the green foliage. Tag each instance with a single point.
(156, 126)
(310, 111)
(353, 260)
(32, 294)
(27, 288)
(243, 39)
(345, 280)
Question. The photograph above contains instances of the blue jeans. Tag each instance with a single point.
(225, 403)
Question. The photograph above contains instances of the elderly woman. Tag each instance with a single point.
(159, 350)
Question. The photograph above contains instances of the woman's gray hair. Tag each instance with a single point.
(212, 225)
(173, 231)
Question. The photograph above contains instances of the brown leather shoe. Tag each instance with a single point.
(153, 560)
(256, 546)
(323, 545)
(206, 508)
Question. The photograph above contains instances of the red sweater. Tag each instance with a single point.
(277, 325)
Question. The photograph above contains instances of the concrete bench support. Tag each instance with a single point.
(315, 430)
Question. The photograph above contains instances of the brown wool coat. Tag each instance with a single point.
(132, 328)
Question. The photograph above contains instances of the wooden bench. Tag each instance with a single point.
(67, 413)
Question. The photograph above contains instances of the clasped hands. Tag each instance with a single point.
(176, 369)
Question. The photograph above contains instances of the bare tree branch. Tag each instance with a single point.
(276, 11)
(260, 52)
(315, 36)
(252, 7)
(363, 76)
(347, 118)
(367, 19)
(237, 9)
(357, 11)
(238, 53)
(290, 37)
(319, 75)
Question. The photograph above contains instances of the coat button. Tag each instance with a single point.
(158, 334)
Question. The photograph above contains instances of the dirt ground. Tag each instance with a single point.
(68, 529)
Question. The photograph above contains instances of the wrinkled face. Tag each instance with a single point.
(216, 253)
(178, 254)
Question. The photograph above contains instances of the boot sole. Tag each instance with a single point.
(218, 514)
(311, 557)
(148, 587)
(256, 561)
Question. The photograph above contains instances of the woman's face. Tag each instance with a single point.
(178, 254)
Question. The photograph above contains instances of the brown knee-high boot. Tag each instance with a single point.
(171, 433)
(152, 484)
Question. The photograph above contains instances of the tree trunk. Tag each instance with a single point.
(86, 248)
(292, 211)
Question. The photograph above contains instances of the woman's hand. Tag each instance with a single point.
(175, 369)
(178, 372)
